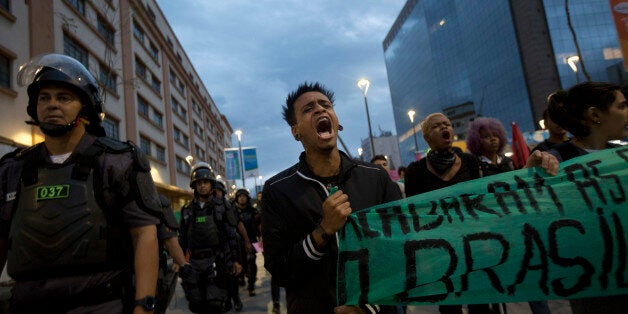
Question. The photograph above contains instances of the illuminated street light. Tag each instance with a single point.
(573, 64)
(360, 150)
(238, 133)
(189, 159)
(411, 114)
(364, 84)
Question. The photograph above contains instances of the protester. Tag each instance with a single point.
(594, 113)
(78, 211)
(169, 245)
(401, 171)
(557, 134)
(486, 139)
(250, 218)
(444, 166)
(275, 289)
(305, 205)
(233, 293)
(382, 161)
(208, 235)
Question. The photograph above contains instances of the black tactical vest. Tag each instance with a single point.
(205, 226)
(58, 226)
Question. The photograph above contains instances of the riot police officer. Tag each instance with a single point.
(250, 217)
(78, 211)
(168, 246)
(208, 236)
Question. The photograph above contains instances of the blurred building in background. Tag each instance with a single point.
(153, 95)
(500, 58)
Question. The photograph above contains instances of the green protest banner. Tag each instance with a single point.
(517, 236)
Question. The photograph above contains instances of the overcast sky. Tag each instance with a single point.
(251, 54)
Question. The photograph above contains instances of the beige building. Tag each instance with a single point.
(153, 95)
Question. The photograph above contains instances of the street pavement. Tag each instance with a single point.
(261, 303)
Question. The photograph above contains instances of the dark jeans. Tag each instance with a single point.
(274, 289)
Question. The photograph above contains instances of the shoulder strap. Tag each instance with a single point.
(86, 161)
(32, 158)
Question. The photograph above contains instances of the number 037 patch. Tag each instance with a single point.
(48, 192)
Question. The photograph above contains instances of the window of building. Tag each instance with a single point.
(107, 77)
(179, 57)
(181, 165)
(169, 42)
(106, 30)
(178, 109)
(160, 153)
(156, 84)
(145, 145)
(138, 31)
(151, 14)
(200, 153)
(5, 4)
(5, 71)
(111, 128)
(142, 107)
(180, 137)
(79, 5)
(196, 107)
(75, 50)
(154, 51)
(173, 78)
(140, 68)
(181, 88)
(158, 119)
(198, 130)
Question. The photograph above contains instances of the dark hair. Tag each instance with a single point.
(567, 108)
(400, 170)
(378, 157)
(288, 109)
(474, 144)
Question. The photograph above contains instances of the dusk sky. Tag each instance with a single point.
(251, 54)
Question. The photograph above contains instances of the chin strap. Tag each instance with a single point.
(56, 130)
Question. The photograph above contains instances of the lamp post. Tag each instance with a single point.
(364, 84)
(411, 114)
(238, 133)
(260, 182)
(360, 153)
(573, 64)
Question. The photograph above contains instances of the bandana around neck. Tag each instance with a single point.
(441, 161)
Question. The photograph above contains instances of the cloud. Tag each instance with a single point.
(251, 54)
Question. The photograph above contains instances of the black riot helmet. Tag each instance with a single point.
(220, 185)
(65, 71)
(202, 171)
(241, 191)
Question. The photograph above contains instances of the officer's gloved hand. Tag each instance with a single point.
(185, 271)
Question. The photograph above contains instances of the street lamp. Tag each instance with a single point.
(573, 64)
(364, 84)
(360, 153)
(238, 133)
(411, 114)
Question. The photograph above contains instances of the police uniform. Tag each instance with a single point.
(250, 218)
(67, 225)
(167, 278)
(208, 234)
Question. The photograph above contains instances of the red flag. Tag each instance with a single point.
(520, 150)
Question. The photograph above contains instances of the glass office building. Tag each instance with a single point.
(490, 58)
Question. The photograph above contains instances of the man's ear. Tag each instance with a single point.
(593, 114)
(295, 132)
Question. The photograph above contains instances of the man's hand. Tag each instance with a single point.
(336, 209)
(344, 309)
(544, 160)
(237, 268)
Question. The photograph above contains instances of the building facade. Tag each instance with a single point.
(502, 58)
(385, 144)
(153, 95)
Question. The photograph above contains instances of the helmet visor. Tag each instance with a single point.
(67, 65)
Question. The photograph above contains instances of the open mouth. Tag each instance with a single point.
(323, 128)
(446, 135)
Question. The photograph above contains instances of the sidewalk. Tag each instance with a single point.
(261, 303)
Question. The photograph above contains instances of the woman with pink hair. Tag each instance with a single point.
(486, 139)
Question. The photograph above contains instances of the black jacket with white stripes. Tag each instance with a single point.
(292, 209)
